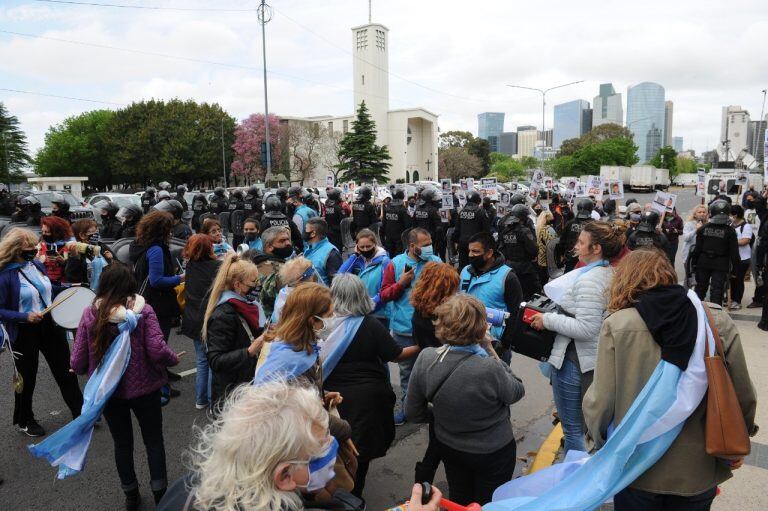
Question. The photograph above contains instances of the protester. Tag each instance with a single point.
(212, 228)
(545, 232)
(369, 262)
(86, 263)
(139, 387)
(325, 257)
(652, 319)
(202, 267)
(400, 276)
(251, 238)
(25, 291)
(56, 234)
(696, 220)
(745, 239)
(470, 390)
(360, 376)
(583, 303)
(672, 227)
(293, 273)
(232, 327)
(276, 242)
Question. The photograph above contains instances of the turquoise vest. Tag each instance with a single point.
(305, 212)
(372, 275)
(488, 288)
(318, 256)
(401, 310)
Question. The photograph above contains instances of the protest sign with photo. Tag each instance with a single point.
(595, 186)
(470, 183)
(616, 189)
(743, 178)
(446, 184)
(462, 196)
(581, 190)
(504, 198)
(533, 192)
(330, 181)
(447, 201)
(664, 202)
(513, 187)
(701, 179)
(538, 176)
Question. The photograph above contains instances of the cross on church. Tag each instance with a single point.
(428, 162)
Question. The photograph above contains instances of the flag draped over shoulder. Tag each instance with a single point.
(67, 448)
(652, 423)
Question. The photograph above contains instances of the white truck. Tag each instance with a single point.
(642, 178)
(662, 179)
(615, 172)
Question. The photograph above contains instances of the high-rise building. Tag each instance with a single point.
(570, 121)
(645, 118)
(756, 139)
(734, 131)
(607, 108)
(677, 144)
(546, 137)
(526, 142)
(527, 127)
(668, 113)
(508, 143)
(489, 126)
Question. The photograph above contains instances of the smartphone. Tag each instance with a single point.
(408, 267)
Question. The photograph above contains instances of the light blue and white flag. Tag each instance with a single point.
(67, 448)
(333, 347)
(652, 423)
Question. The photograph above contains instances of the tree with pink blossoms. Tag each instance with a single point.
(249, 136)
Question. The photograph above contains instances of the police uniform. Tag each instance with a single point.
(334, 214)
(715, 255)
(252, 206)
(568, 240)
(396, 222)
(518, 246)
(363, 215)
(147, 201)
(427, 217)
(639, 239)
(277, 218)
(471, 220)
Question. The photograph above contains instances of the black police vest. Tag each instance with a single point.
(394, 221)
(640, 239)
(470, 221)
(572, 231)
(714, 240)
(333, 215)
(513, 244)
(362, 214)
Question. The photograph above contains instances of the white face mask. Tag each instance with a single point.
(328, 325)
(320, 468)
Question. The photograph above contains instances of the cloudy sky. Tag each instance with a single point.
(451, 57)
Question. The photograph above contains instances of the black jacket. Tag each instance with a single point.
(200, 276)
(717, 248)
(111, 229)
(227, 351)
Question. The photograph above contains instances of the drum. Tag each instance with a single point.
(68, 307)
(524, 339)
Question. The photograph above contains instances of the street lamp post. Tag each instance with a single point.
(760, 121)
(265, 15)
(543, 93)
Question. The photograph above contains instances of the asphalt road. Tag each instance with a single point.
(30, 484)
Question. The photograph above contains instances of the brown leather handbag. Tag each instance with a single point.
(725, 430)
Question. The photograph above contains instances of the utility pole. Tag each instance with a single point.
(265, 16)
(223, 157)
(758, 138)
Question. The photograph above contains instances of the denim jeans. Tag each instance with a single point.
(203, 375)
(630, 499)
(566, 387)
(407, 366)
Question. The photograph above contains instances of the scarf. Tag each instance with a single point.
(279, 360)
(671, 320)
(33, 278)
(250, 311)
(335, 345)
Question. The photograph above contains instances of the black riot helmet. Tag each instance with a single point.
(181, 190)
(238, 194)
(473, 197)
(273, 203)
(163, 195)
(107, 207)
(282, 193)
(584, 209)
(61, 201)
(519, 212)
(253, 191)
(428, 194)
(648, 221)
(517, 198)
(164, 185)
(130, 214)
(199, 198)
(296, 192)
(364, 193)
(719, 212)
(219, 191)
(398, 194)
(171, 206)
(150, 190)
(334, 194)
(29, 201)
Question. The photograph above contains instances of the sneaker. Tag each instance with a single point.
(400, 418)
(735, 306)
(32, 428)
(762, 326)
(754, 305)
(200, 406)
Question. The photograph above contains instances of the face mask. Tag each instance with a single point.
(28, 255)
(251, 236)
(48, 238)
(105, 218)
(321, 468)
(306, 236)
(252, 294)
(94, 238)
(328, 325)
(477, 262)
(426, 252)
(284, 252)
(368, 254)
(635, 217)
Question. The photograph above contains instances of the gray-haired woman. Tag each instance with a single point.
(361, 375)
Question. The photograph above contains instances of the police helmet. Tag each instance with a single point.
(181, 189)
(61, 201)
(584, 209)
(164, 185)
(719, 212)
(473, 197)
(200, 197)
(364, 193)
(171, 206)
(150, 190)
(218, 191)
(273, 203)
(398, 194)
(107, 207)
(306, 194)
(428, 194)
(238, 194)
(334, 194)
(517, 198)
(520, 212)
(130, 213)
(163, 195)
(253, 191)
(282, 193)
(648, 221)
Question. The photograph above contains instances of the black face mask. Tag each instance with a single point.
(368, 254)
(48, 238)
(306, 236)
(94, 238)
(252, 294)
(477, 262)
(251, 236)
(105, 218)
(283, 252)
(29, 255)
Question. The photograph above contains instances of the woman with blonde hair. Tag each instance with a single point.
(698, 217)
(545, 232)
(470, 390)
(292, 273)
(232, 326)
(25, 291)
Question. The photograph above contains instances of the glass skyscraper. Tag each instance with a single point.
(572, 120)
(490, 126)
(646, 118)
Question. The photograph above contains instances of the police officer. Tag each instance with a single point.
(363, 212)
(716, 253)
(287, 207)
(30, 210)
(517, 244)
(199, 206)
(111, 227)
(395, 222)
(165, 185)
(236, 201)
(252, 203)
(274, 216)
(172, 206)
(180, 191)
(520, 198)
(471, 220)
(163, 195)
(60, 207)
(427, 217)
(310, 199)
(301, 212)
(334, 214)
(148, 199)
(129, 216)
(490, 210)
(219, 203)
(571, 233)
(646, 234)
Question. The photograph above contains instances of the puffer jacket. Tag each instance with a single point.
(586, 300)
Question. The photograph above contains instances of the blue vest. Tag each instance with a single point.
(372, 275)
(318, 255)
(401, 310)
(488, 288)
(305, 212)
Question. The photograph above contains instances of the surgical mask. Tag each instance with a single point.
(635, 217)
(328, 325)
(251, 236)
(426, 252)
(283, 252)
(477, 262)
(94, 238)
(29, 255)
(320, 468)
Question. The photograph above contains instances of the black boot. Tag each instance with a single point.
(132, 499)
(424, 473)
(158, 494)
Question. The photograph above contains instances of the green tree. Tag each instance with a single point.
(588, 159)
(13, 147)
(480, 148)
(77, 147)
(361, 160)
(561, 166)
(606, 131)
(666, 158)
(504, 167)
(569, 146)
(456, 163)
(529, 162)
(685, 166)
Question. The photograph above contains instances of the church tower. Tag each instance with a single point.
(370, 70)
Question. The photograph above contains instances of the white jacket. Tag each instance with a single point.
(586, 300)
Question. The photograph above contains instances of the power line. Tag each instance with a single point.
(143, 7)
(61, 97)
